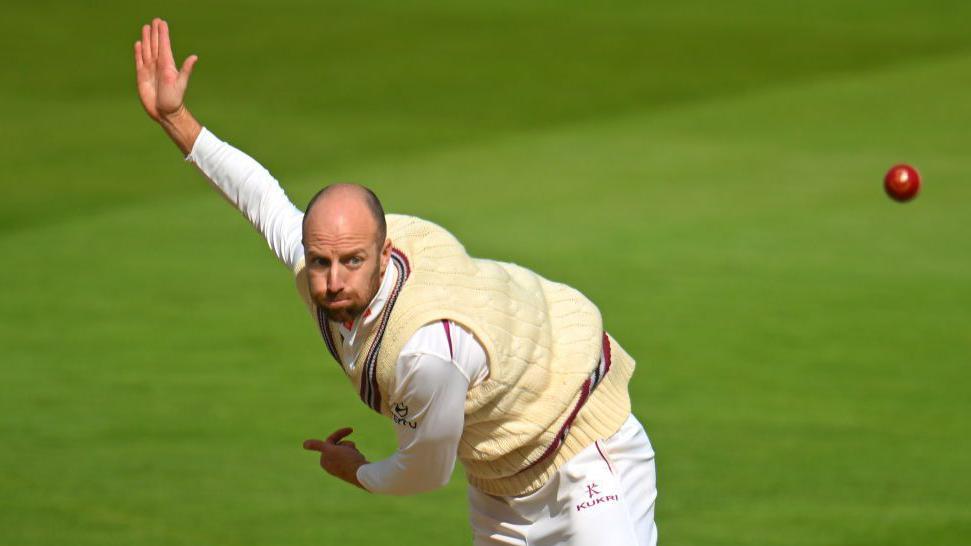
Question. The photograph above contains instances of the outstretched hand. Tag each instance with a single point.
(161, 86)
(338, 457)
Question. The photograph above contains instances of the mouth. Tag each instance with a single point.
(339, 310)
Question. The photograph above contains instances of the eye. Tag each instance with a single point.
(321, 262)
(355, 261)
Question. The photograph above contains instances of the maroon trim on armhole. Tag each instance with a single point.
(606, 349)
(448, 336)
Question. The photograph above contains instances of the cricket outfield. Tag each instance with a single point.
(711, 176)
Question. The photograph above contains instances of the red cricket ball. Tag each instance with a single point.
(902, 182)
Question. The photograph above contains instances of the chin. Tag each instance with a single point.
(340, 314)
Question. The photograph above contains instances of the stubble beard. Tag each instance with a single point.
(342, 315)
(353, 312)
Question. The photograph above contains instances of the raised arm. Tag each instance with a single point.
(161, 86)
(241, 179)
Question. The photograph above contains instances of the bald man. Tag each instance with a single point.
(470, 359)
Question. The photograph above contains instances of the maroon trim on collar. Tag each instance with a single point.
(370, 393)
(327, 335)
(368, 384)
(404, 260)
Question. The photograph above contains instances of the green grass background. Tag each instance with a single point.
(708, 172)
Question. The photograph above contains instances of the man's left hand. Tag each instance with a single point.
(338, 457)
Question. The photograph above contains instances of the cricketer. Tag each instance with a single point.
(471, 359)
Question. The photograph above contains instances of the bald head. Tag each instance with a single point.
(346, 205)
(346, 249)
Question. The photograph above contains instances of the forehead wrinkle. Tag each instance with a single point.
(337, 243)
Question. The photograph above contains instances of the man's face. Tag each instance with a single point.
(345, 263)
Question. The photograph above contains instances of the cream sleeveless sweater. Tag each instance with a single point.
(544, 342)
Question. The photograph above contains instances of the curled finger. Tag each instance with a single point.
(314, 445)
(339, 435)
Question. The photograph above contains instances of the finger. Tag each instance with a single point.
(339, 435)
(155, 24)
(139, 63)
(186, 70)
(146, 44)
(314, 445)
(165, 46)
(348, 444)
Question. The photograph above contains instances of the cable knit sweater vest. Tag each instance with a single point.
(544, 340)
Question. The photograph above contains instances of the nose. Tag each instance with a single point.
(334, 282)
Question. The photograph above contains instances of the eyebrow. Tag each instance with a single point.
(360, 250)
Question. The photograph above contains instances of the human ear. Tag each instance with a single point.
(385, 255)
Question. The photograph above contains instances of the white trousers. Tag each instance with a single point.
(604, 496)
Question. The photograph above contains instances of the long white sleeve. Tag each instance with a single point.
(253, 190)
(432, 376)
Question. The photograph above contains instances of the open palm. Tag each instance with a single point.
(161, 86)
